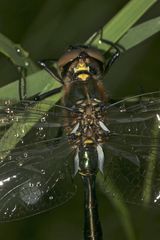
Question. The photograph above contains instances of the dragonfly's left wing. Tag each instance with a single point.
(133, 148)
(35, 164)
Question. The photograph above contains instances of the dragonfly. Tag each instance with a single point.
(86, 133)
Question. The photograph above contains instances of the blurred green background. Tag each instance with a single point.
(45, 29)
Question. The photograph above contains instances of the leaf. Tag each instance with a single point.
(120, 206)
(36, 82)
(17, 55)
(112, 31)
(140, 33)
(121, 23)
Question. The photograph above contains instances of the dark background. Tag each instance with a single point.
(45, 29)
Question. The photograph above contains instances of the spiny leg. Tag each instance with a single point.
(117, 47)
(114, 55)
(45, 64)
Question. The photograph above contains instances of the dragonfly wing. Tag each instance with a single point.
(33, 180)
(35, 169)
(133, 149)
(12, 111)
(17, 119)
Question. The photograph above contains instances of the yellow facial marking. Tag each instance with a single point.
(81, 66)
(83, 76)
(88, 141)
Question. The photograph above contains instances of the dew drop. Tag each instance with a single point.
(1, 161)
(122, 109)
(16, 135)
(50, 197)
(26, 64)
(23, 130)
(38, 184)
(20, 163)
(18, 50)
(43, 119)
(43, 171)
(31, 184)
(7, 110)
(25, 154)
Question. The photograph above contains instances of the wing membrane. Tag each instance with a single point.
(133, 149)
(34, 179)
(35, 175)
(35, 171)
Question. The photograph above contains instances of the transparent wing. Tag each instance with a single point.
(132, 151)
(35, 160)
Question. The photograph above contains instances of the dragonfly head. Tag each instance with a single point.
(81, 63)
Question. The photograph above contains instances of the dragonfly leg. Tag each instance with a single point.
(113, 58)
(47, 64)
(47, 94)
(118, 48)
(115, 55)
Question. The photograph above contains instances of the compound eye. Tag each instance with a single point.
(96, 54)
(92, 69)
(69, 56)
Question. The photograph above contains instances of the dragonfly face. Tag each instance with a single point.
(81, 64)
